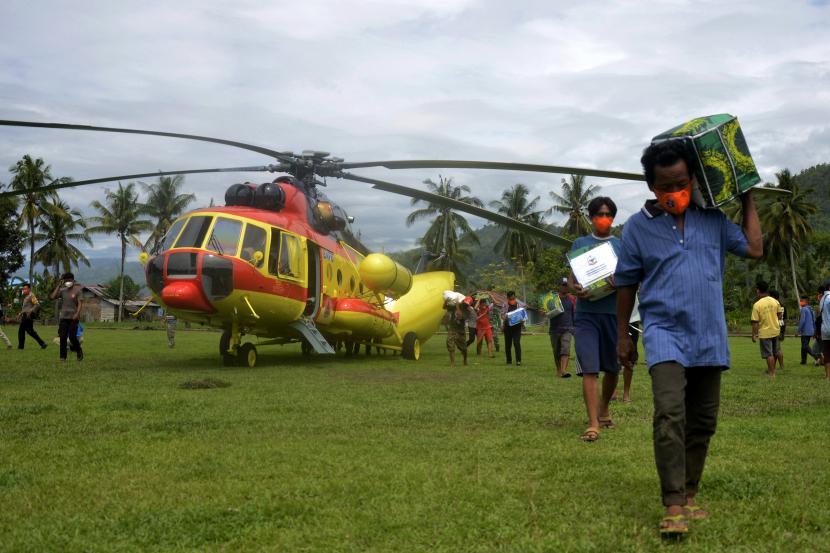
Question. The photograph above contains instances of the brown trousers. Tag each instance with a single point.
(686, 403)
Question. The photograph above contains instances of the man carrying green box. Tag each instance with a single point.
(674, 253)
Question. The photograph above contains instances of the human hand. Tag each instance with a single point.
(754, 338)
(580, 292)
(625, 350)
(611, 281)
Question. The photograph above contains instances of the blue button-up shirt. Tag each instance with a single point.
(807, 321)
(680, 277)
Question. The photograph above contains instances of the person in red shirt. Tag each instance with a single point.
(483, 329)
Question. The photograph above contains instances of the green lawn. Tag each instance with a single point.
(380, 454)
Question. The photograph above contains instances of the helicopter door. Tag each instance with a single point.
(313, 300)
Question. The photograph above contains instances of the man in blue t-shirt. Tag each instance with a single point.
(675, 254)
(561, 330)
(595, 327)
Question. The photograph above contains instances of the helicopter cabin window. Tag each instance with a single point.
(289, 265)
(194, 232)
(254, 241)
(171, 235)
(285, 255)
(225, 236)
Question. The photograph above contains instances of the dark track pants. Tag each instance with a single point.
(68, 330)
(513, 337)
(686, 403)
(27, 326)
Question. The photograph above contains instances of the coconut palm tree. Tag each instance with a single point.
(30, 176)
(448, 229)
(164, 204)
(514, 244)
(59, 227)
(120, 216)
(573, 202)
(785, 222)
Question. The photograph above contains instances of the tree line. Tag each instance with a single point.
(45, 222)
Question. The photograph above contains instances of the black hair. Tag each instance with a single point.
(511, 294)
(68, 276)
(595, 204)
(666, 154)
(774, 294)
(762, 286)
(803, 297)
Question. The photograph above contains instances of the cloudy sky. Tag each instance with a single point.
(569, 83)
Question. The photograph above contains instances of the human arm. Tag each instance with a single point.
(625, 305)
(751, 227)
(576, 287)
(80, 302)
(56, 292)
(755, 326)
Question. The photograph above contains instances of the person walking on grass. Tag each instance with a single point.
(782, 325)
(71, 302)
(824, 309)
(512, 329)
(765, 313)
(595, 327)
(561, 331)
(806, 328)
(456, 320)
(484, 332)
(675, 253)
(170, 324)
(28, 313)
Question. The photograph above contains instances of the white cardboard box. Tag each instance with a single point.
(592, 265)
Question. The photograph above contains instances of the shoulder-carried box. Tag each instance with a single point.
(725, 168)
(592, 266)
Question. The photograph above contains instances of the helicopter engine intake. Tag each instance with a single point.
(384, 275)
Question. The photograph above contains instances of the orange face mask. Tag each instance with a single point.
(803, 303)
(675, 202)
(602, 224)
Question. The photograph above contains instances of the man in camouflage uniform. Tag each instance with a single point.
(170, 321)
(456, 321)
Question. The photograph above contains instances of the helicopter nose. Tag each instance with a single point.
(186, 296)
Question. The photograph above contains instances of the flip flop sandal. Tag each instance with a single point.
(591, 434)
(695, 512)
(674, 525)
(606, 423)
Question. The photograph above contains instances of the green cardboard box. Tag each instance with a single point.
(725, 167)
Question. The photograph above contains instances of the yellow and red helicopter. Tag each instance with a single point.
(279, 261)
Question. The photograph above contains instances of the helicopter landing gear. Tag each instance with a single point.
(306, 348)
(411, 347)
(247, 355)
(228, 358)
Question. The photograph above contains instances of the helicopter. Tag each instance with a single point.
(280, 260)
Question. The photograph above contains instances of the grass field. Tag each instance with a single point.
(380, 454)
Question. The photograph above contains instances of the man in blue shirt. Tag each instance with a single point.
(824, 331)
(595, 325)
(561, 331)
(675, 254)
(806, 328)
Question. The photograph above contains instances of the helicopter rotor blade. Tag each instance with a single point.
(460, 206)
(72, 184)
(282, 156)
(461, 164)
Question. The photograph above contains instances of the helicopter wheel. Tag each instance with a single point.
(228, 359)
(247, 355)
(411, 347)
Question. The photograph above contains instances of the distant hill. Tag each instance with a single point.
(818, 178)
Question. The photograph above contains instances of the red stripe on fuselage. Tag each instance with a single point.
(353, 305)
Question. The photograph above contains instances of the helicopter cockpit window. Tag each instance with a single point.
(194, 232)
(172, 234)
(289, 264)
(253, 242)
(225, 236)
